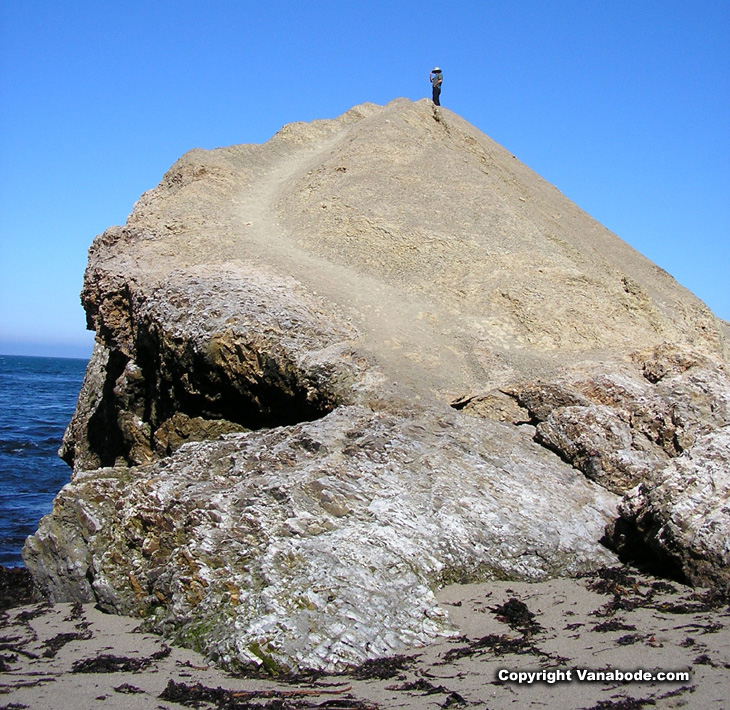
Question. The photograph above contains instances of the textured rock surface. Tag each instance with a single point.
(321, 544)
(619, 422)
(372, 355)
(656, 430)
(681, 514)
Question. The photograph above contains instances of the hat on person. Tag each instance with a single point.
(435, 69)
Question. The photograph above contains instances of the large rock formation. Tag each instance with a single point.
(371, 356)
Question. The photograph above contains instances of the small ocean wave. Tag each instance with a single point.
(14, 447)
(31, 442)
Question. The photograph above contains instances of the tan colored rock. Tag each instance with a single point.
(180, 429)
(335, 290)
(617, 422)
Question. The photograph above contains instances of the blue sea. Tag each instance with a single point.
(37, 399)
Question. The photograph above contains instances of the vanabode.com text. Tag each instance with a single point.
(590, 676)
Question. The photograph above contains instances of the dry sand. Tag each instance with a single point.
(74, 656)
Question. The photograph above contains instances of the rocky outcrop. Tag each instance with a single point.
(371, 356)
(615, 422)
(655, 430)
(680, 516)
(319, 545)
(259, 352)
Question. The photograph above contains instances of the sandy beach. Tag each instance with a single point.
(597, 643)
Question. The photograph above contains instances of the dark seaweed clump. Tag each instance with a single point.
(628, 703)
(499, 645)
(55, 644)
(382, 668)
(613, 625)
(421, 685)
(517, 616)
(108, 663)
(196, 696)
(630, 593)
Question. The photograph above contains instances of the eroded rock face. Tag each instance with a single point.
(655, 430)
(231, 344)
(368, 357)
(618, 422)
(320, 544)
(680, 516)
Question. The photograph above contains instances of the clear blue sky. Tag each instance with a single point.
(623, 105)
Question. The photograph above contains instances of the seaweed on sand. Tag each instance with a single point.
(197, 695)
(613, 625)
(55, 644)
(499, 645)
(382, 668)
(629, 703)
(630, 593)
(108, 663)
(517, 616)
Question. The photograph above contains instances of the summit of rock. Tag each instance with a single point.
(368, 357)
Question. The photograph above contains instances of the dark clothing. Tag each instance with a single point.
(437, 79)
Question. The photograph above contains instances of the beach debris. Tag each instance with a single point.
(613, 625)
(517, 616)
(109, 663)
(420, 685)
(128, 689)
(197, 694)
(55, 644)
(383, 668)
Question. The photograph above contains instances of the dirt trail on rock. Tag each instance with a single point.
(460, 269)
(416, 341)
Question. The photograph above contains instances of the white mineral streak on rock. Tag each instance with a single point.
(683, 511)
(266, 463)
(333, 558)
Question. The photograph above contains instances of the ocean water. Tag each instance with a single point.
(37, 399)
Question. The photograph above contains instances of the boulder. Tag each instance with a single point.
(371, 356)
(319, 545)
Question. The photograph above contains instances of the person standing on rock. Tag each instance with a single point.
(436, 78)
